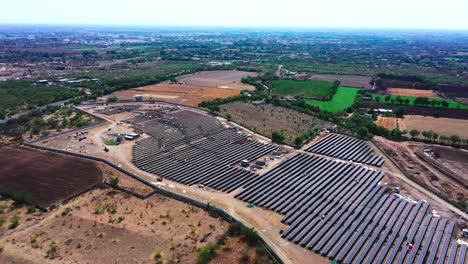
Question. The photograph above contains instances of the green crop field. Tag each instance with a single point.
(451, 103)
(314, 88)
(343, 98)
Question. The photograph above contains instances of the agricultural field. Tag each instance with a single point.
(45, 178)
(442, 126)
(412, 92)
(307, 88)
(393, 100)
(264, 119)
(219, 79)
(177, 93)
(342, 99)
(345, 80)
(387, 122)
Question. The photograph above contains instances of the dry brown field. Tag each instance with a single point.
(387, 122)
(412, 92)
(219, 79)
(46, 178)
(177, 93)
(442, 126)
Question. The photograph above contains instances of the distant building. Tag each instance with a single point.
(42, 82)
(259, 102)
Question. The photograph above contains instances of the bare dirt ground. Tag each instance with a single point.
(422, 172)
(105, 226)
(387, 122)
(219, 79)
(345, 80)
(46, 178)
(177, 93)
(442, 126)
(412, 92)
(455, 160)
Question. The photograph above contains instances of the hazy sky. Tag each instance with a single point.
(429, 14)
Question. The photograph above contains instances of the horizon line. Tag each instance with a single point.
(253, 27)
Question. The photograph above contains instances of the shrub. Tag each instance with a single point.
(206, 252)
(114, 182)
(98, 209)
(14, 221)
(157, 256)
(66, 211)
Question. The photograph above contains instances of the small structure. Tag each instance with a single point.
(259, 102)
(244, 163)
(42, 82)
(260, 163)
(132, 136)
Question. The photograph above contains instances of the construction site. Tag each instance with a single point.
(338, 198)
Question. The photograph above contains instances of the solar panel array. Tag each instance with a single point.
(341, 210)
(192, 148)
(347, 148)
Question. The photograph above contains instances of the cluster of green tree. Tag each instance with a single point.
(249, 235)
(279, 137)
(15, 94)
(430, 135)
(34, 123)
(416, 81)
(420, 100)
(402, 77)
(18, 196)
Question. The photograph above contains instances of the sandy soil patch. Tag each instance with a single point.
(178, 93)
(220, 79)
(412, 92)
(105, 226)
(441, 125)
(387, 122)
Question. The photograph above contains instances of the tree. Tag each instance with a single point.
(444, 138)
(414, 133)
(434, 136)
(114, 182)
(362, 132)
(399, 112)
(427, 134)
(278, 136)
(298, 141)
(228, 117)
(112, 99)
(455, 139)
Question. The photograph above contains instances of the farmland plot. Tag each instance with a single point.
(45, 178)
(265, 119)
